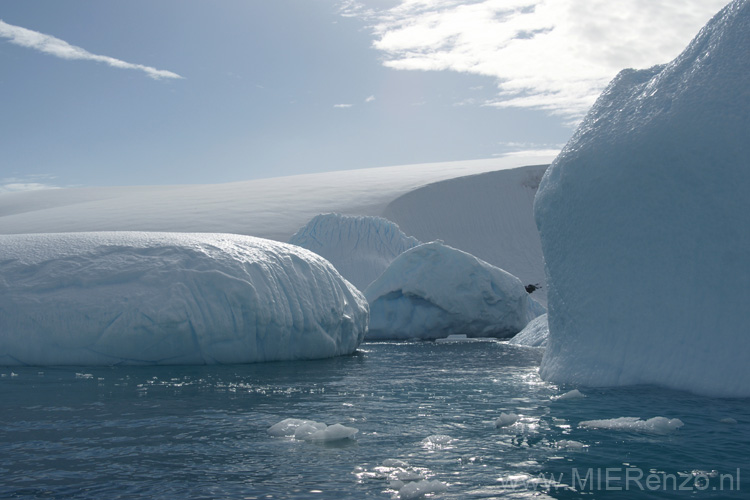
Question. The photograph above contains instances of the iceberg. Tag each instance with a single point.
(432, 291)
(644, 225)
(534, 334)
(170, 298)
(359, 247)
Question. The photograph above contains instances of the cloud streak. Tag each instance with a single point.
(59, 48)
(553, 55)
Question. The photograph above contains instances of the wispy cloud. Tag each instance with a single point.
(554, 55)
(59, 48)
(343, 106)
(29, 183)
(370, 98)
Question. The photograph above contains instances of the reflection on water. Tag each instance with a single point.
(426, 414)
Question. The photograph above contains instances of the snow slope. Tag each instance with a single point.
(488, 215)
(170, 298)
(644, 225)
(432, 291)
(359, 247)
(269, 208)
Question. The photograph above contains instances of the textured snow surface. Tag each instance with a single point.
(170, 298)
(488, 215)
(534, 334)
(432, 291)
(359, 247)
(644, 225)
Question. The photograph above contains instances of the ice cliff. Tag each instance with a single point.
(644, 225)
(359, 247)
(170, 298)
(432, 291)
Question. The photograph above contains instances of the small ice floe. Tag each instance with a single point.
(655, 425)
(569, 444)
(506, 419)
(574, 394)
(310, 430)
(419, 489)
(454, 337)
(437, 441)
(728, 421)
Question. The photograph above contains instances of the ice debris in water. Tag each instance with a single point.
(506, 419)
(574, 394)
(655, 425)
(571, 444)
(437, 441)
(421, 488)
(310, 430)
(729, 421)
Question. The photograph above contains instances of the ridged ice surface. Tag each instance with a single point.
(170, 298)
(644, 225)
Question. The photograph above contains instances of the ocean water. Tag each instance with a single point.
(425, 412)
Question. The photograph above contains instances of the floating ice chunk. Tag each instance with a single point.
(432, 291)
(335, 432)
(729, 421)
(170, 298)
(574, 394)
(506, 419)
(394, 462)
(359, 247)
(421, 488)
(655, 425)
(534, 334)
(310, 430)
(570, 444)
(643, 220)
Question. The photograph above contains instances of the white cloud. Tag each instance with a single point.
(29, 183)
(342, 105)
(370, 98)
(554, 55)
(62, 49)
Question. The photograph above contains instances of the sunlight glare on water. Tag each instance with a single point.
(428, 419)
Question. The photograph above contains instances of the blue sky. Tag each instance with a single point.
(186, 91)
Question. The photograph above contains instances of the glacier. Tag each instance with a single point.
(433, 290)
(644, 225)
(359, 247)
(170, 298)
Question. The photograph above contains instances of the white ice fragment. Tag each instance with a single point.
(420, 489)
(306, 430)
(570, 444)
(574, 394)
(506, 419)
(728, 420)
(394, 462)
(655, 425)
(335, 432)
(310, 430)
(287, 427)
(437, 441)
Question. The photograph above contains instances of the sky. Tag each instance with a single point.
(139, 92)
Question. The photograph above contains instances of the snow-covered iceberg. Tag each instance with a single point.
(433, 290)
(534, 334)
(644, 225)
(170, 298)
(359, 247)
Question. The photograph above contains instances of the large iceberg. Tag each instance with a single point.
(170, 298)
(644, 225)
(432, 291)
(359, 247)
(534, 334)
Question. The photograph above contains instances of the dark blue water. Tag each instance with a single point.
(200, 432)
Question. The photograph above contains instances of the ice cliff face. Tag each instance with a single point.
(359, 247)
(432, 291)
(644, 225)
(170, 298)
